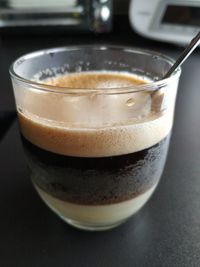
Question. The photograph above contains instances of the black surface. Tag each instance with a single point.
(166, 232)
(6, 119)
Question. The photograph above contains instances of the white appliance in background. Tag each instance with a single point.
(174, 21)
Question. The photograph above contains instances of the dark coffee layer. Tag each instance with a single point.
(96, 181)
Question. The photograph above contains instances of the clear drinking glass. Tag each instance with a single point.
(95, 154)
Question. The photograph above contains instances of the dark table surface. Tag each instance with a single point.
(166, 232)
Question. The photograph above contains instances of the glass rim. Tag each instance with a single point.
(154, 85)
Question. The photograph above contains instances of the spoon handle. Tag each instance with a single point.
(184, 55)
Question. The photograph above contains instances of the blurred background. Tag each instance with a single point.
(174, 21)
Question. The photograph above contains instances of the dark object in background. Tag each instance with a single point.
(62, 16)
(6, 119)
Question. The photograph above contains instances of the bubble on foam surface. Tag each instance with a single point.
(100, 109)
(88, 109)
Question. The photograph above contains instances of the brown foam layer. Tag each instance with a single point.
(100, 142)
(94, 79)
(93, 126)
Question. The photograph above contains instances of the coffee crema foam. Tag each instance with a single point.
(95, 80)
(112, 126)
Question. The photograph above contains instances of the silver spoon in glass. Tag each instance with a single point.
(184, 55)
(158, 94)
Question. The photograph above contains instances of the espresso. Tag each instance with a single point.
(95, 158)
(96, 181)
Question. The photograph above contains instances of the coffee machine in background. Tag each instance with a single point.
(37, 16)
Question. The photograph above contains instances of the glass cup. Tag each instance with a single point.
(95, 155)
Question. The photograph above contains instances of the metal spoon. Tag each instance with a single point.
(158, 95)
(184, 55)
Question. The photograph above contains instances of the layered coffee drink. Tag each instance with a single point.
(95, 158)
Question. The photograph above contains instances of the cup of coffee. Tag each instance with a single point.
(95, 124)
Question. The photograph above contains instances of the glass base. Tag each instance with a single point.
(94, 218)
(83, 225)
(89, 227)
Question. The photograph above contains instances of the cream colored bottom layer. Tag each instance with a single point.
(98, 214)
